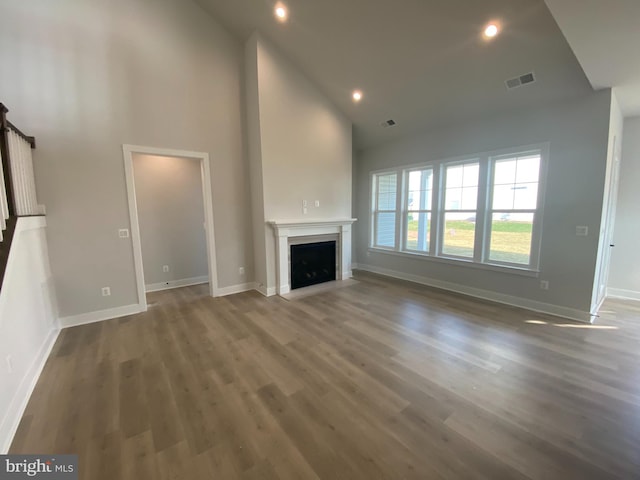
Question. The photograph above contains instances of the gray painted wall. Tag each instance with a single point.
(624, 278)
(577, 132)
(171, 217)
(87, 77)
(300, 146)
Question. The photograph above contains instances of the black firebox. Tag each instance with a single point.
(312, 263)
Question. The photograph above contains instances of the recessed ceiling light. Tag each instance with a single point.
(491, 30)
(357, 96)
(281, 12)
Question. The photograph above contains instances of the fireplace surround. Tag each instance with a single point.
(296, 232)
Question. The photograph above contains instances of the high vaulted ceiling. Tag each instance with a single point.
(605, 36)
(422, 63)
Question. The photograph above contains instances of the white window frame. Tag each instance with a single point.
(373, 204)
(432, 212)
(536, 234)
(442, 211)
(483, 211)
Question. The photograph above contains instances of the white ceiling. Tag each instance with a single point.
(605, 36)
(422, 63)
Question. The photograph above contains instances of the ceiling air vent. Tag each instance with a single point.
(388, 123)
(516, 82)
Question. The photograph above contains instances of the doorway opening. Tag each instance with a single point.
(171, 213)
(607, 229)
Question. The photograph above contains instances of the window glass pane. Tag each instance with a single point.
(387, 183)
(453, 200)
(505, 172)
(386, 191)
(454, 176)
(459, 234)
(461, 192)
(503, 197)
(469, 198)
(515, 183)
(470, 175)
(385, 229)
(511, 235)
(387, 201)
(420, 188)
(418, 228)
(526, 196)
(528, 169)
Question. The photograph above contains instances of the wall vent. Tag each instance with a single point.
(520, 81)
(388, 123)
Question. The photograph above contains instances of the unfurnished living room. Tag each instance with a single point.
(337, 239)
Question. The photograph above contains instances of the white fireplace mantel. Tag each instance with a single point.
(286, 229)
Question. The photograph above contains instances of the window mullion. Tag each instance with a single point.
(400, 192)
(402, 245)
(435, 211)
(483, 223)
(374, 208)
(374, 228)
(536, 241)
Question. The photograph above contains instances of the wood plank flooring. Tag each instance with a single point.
(379, 380)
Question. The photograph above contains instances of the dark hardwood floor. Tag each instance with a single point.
(378, 380)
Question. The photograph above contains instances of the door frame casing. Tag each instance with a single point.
(207, 195)
(610, 200)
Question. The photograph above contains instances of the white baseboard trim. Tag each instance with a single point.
(185, 282)
(536, 306)
(267, 292)
(623, 294)
(233, 289)
(18, 405)
(348, 274)
(99, 316)
(596, 308)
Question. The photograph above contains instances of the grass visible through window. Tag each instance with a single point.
(459, 237)
(412, 234)
(510, 240)
(418, 232)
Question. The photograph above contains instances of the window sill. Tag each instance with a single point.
(525, 272)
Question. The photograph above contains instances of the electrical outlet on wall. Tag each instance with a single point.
(106, 291)
(165, 268)
(241, 270)
(317, 203)
(544, 284)
(123, 233)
